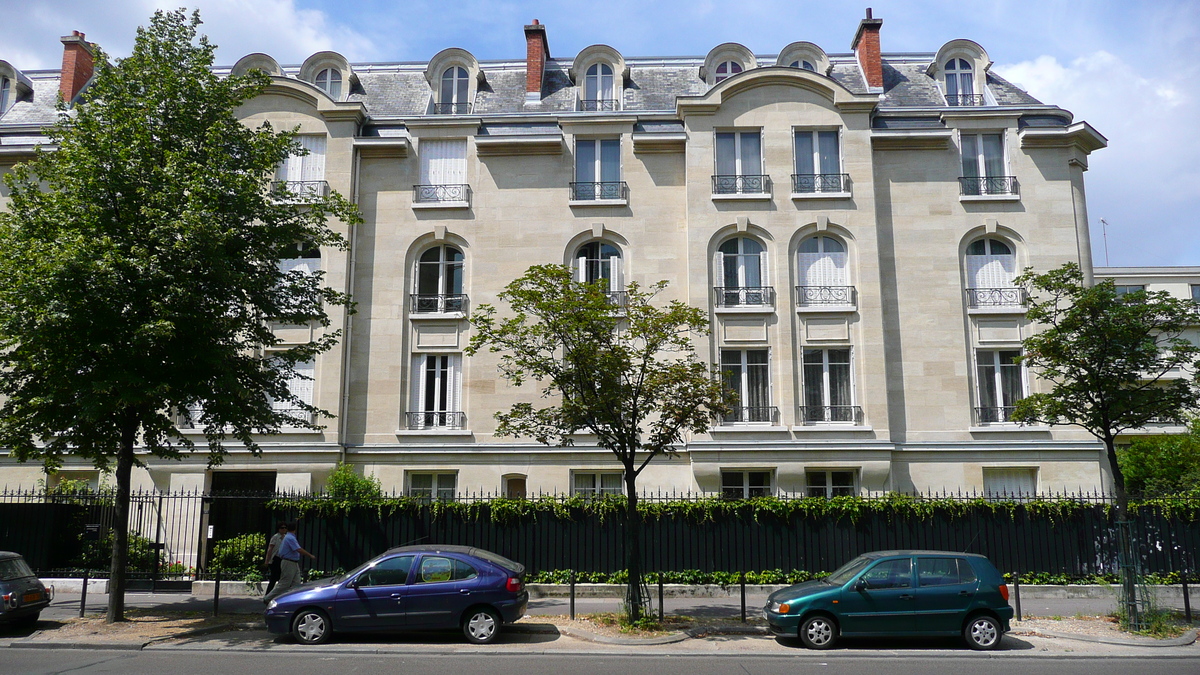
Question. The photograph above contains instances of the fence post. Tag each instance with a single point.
(83, 595)
(1187, 602)
(572, 595)
(1017, 593)
(217, 593)
(743, 585)
(660, 597)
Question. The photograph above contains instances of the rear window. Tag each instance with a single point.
(14, 568)
(499, 560)
(943, 572)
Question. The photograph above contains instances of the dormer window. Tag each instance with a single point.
(960, 84)
(454, 92)
(805, 65)
(599, 92)
(329, 81)
(5, 93)
(726, 70)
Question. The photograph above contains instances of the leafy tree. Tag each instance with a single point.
(628, 376)
(1164, 465)
(139, 271)
(1113, 363)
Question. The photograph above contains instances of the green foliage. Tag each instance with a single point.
(1162, 466)
(97, 554)
(347, 486)
(238, 556)
(777, 577)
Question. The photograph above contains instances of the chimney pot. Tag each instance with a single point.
(77, 65)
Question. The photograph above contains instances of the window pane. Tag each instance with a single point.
(1010, 378)
(804, 152)
(987, 380)
(610, 483)
(390, 572)
(434, 570)
(462, 571)
(993, 155)
(610, 160)
(751, 154)
(890, 574)
(966, 83)
(585, 483)
(585, 161)
(937, 571)
(839, 378)
(970, 156)
(828, 142)
(842, 483)
(757, 394)
(759, 483)
(726, 155)
(428, 278)
(447, 87)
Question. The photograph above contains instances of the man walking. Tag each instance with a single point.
(289, 565)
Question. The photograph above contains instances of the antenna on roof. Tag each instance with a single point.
(1104, 231)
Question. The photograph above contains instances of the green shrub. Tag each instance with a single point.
(96, 554)
(344, 485)
(239, 556)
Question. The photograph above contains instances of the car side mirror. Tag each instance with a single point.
(353, 583)
(860, 585)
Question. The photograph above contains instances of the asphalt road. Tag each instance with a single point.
(81, 662)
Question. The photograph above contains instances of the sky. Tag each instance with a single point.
(1130, 69)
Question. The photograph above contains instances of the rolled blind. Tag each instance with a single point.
(443, 162)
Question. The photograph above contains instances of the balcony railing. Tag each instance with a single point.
(433, 194)
(748, 415)
(817, 296)
(300, 190)
(820, 182)
(190, 420)
(619, 299)
(451, 108)
(761, 296)
(996, 297)
(438, 304)
(994, 415)
(964, 100)
(598, 104)
(989, 185)
(820, 414)
(741, 185)
(583, 192)
(436, 420)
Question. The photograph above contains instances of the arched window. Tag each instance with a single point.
(302, 256)
(5, 93)
(439, 281)
(991, 268)
(822, 274)
(960, 83)
(727, 69)
(742, 274)
(599, 261)
(455, 92)
(329, 81)
(599, 92)
(806, 65)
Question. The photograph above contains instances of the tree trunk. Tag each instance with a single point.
(120, 552)
(1125, 560)
(633, 547)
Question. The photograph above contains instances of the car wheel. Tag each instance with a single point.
(311, 627)
(982, 632)
(481, 626)
(818, 632)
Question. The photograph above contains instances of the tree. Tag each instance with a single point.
(1114, 362)
(1162, 465)
(627, 375)
(139, 271)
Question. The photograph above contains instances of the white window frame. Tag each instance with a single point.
(981, 155)
(743, 388)
(5, 93)
(447, 385)
(763, 260)
(828, 487)
(803, 64)
(825, 384)
(436, 489)
(616, 271)
(597, 478)
(598, 164)
(951, 72)
(594, 83)
(329, 80)
(303, 386)
(839, 262)
(729, 65)
(978, 264)
(745, 486)
(1006, 475)
(444, 273)
(443, 161)
(739, 170)
(816, 146)
(460, 82)
(998, 378)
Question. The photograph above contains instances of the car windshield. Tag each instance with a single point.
(846, 572)
(352, 573)
(14, 568)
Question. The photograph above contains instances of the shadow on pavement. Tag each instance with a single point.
(1007, 644)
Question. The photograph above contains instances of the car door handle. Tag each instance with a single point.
(906, 596)
(397, 595)
(963, 593)
(464, 591)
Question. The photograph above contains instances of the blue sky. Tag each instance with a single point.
(1130, 69)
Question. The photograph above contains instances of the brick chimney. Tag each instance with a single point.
(537, 50)
(77, 65)
(866, 48)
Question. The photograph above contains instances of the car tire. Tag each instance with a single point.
(818, 632)
(481, 625)
(311, 626)
(982, 632)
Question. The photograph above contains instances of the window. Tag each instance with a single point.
(806, 65)
(514, 487)
(822, 273)
(830, 483)
(745, 484)
(390, 572)
(443, 171)
(1126, 289)
(991, 268)
(594, 484)
(439, 281)
(302, 256)
(828, 394)
(436, 569)
(960, 84)
(741, 269)
(5, 93)
(303, 175)
(727, 69)
(890, 574)
(818, 163)
(599, 92)
(944, 572)
(438, 486)
(739, 163)
(1195, 292)
(436, 386)
(999, 483)
(329, 81)
(983, 166)
(454, 99)
(599, 261)
(746, 374)
(1001, 384)
(597, 170)
(299, 385)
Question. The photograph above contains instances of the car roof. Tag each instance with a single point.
(9, 554)
(885, 554)
(433, 548)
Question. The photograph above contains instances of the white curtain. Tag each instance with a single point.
(991, 271)
(443, 162)
(823, 269)
(300, 385)
(306, 265)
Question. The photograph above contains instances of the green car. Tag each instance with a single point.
(897, 593)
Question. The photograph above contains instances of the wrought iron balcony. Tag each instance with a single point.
(964, 100)
(819, 414)
(996, 297)
(300, 190)
(586, 192)
(437, 304)
(598, 104)
(748, 415)
(988, 185)
(451, 108)
(822, 296)
(760, 296)
(619, 299)
(741, 185)
(434, 194)
(820, 182)
(994, 415)
(436, 420)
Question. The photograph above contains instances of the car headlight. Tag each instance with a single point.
(272, 604)
(779, 608)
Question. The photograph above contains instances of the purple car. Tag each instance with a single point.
(408, 588)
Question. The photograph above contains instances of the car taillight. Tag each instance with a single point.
(1004, 591)
(514, 585)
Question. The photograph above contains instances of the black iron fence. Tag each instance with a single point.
(996, 297)
(599, 191)
(741, 185)
(811, 296)
(989, 185)
(440, 194)
(426, 303)
(183, 535)
(757, 296)
(820, 182)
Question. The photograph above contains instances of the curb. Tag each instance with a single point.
(679, 636)
(1181, 641)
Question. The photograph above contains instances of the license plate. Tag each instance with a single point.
(31, 597)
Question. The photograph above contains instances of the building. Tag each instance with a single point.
(852, 222)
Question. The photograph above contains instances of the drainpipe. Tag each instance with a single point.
(349, 320)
